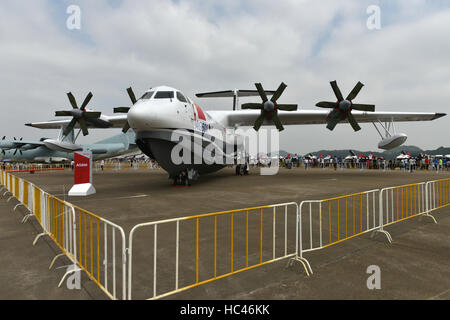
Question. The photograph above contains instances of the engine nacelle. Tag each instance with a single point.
(393, 141)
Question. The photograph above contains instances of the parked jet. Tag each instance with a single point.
(47, 151)
(163, 110)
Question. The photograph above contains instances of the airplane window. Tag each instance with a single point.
(147, 95)
(164, 95)
(181, 97)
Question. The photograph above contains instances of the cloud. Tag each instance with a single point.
(199, 46)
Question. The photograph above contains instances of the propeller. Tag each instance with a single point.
(126, 127)
(269, 108)
(4, 145)
(79, 115)
(342, 109)
(18, 148)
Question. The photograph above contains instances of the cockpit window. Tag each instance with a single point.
(164, 95)
(181, 97)
(147, 95)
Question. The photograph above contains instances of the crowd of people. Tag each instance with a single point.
(334, 162)
(290, 161)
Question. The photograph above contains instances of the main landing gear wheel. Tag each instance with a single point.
(185, 177)
(182, 180)
(242, 169)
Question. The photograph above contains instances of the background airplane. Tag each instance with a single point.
(42, 151)
(162, 110)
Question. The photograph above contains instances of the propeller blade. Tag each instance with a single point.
(327, 104)
(259, 121)
(72, 100)
(287, 107)
(261, 92)
(363, 107)
(121, 110)
(126, 127)
(92, 114)
(352, 95)
(353, 122)
(83, 126)
(86, 101)
(70, 127)
(335, 117)
(251, 106)
(337, 91)
(131, 95)
(279, 92)
(277, 122)
(63, 114)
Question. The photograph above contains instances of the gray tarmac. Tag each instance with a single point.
(415, 266)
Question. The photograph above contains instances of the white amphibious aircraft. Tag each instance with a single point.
(164, 116)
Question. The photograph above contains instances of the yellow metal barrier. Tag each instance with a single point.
(402, 202)
(213, 246)
(97, 249)
(63, 223)
(331, 221)
(438, 192)
(37, 203)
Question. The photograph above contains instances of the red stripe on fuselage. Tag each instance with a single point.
(200, 113)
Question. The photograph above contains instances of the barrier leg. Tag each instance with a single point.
(304, 263)
(19, 204)
(54, 259)
(10, 198)
(429, 216)
(25, 219)
(75, 269)
(387, 234)
(38, 236)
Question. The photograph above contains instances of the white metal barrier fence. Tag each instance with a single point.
(438, 192)
(402, 202)
(324, 223)
(99, 253)
(89, 241)
(212, 246)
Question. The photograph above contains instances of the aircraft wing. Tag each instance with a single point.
(301, 117)
(20, 143)
(104, 122)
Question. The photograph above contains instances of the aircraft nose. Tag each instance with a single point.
(149, 115)
(142, 116)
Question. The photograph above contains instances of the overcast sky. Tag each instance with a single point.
(199, 46)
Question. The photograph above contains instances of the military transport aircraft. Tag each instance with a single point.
(50, 151)
(163, 110)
